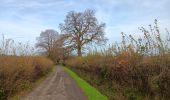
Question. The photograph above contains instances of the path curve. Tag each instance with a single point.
(58, 86)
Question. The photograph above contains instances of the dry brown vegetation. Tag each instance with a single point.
(137, 69)
(19, 67)
(19, 72)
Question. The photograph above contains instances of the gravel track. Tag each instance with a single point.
(58, 86)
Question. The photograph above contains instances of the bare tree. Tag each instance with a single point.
(60, 51)
(46, 40)
(82, 28)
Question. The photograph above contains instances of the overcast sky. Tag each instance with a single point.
(23, 20)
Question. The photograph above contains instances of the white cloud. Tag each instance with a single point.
(26, 30)
(27, 18)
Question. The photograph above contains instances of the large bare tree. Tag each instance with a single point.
(46, 40)
(82, 28)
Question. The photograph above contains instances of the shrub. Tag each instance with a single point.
(16, 72)
(150, 80)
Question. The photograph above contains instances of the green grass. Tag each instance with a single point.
(91, 92)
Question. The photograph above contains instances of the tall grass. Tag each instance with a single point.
(136, 69)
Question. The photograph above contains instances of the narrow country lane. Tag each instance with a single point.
(58, 86)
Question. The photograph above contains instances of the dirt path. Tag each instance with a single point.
(58, 86)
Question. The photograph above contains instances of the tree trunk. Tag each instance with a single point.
(79, 50)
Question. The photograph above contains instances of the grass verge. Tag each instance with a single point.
(91, 92)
